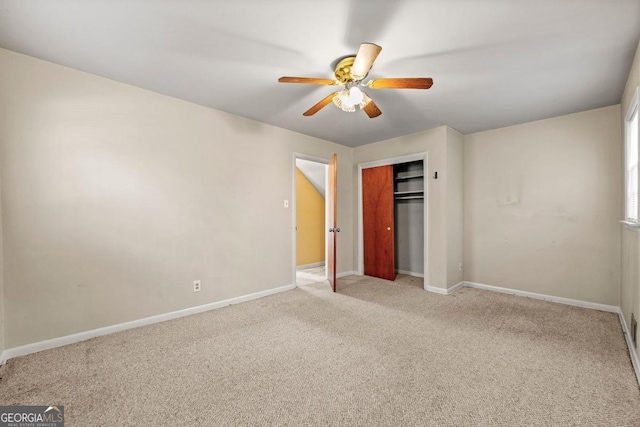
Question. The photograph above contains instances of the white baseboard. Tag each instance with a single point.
(256, 295)
(445, 291)
(635, 361)
(313, 265)
(83, 336)
(410, 273)
(561, 300)
(455, 287)
(346, 273)
(437, 290)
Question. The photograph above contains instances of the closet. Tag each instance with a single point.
(393, 220)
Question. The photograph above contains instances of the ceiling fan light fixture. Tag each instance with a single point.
(341, 100)
(365, 101)
(348, 99)
(355, 96)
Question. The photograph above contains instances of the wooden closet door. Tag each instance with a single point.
(378, 222)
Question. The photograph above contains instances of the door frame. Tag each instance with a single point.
(294, 206)
(424, 156)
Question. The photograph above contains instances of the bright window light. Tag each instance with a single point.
(631, 162)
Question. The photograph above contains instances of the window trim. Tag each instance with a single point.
(633, 109)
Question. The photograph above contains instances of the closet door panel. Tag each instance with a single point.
(378, 222)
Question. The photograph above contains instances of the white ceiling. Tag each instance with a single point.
(494, 62)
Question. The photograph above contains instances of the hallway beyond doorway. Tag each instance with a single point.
(311, 275)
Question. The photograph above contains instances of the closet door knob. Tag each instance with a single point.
(388, 228)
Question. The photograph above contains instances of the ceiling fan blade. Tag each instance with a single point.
(320, 105)
(372, 110)
(367, 53)
(308, 80)
(403, 83)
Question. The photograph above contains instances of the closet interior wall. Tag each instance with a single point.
(409, 217)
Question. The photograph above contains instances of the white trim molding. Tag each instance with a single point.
(346, 273)
(94, 333)
(455, 287)
(633, 354)
(312, 265)
(394, 160)
(561, 300)
(410, 273)
(294, 207)
(631, 225)
(445, 291)
(424, 156)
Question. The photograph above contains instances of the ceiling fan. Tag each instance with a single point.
(350, 72)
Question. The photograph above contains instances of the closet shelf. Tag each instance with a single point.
(398, 178)
(409, 197)
(408, 193)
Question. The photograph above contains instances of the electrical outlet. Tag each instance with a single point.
(197, 286)
(460, 266)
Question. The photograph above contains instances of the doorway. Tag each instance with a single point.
(402, 180)
(311, 219)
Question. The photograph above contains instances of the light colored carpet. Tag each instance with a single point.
(310, 275)
(377, 353)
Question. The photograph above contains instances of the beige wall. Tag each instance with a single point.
(434, 142)
(115, 199)
(630, 288)
(455, 206)
(542, 205)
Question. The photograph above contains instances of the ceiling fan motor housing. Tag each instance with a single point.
(343, 70)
